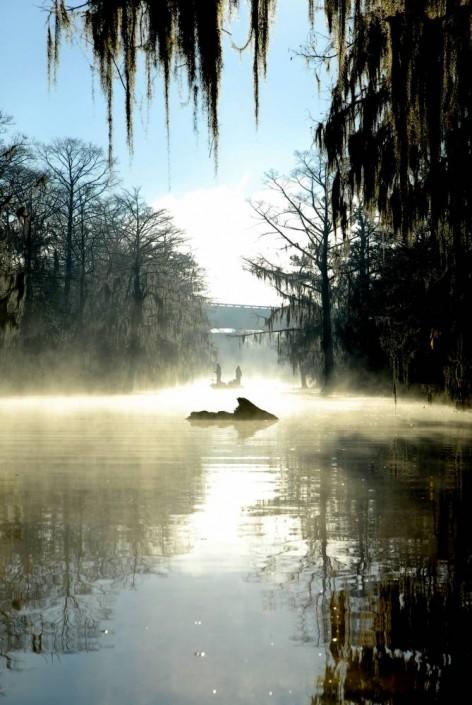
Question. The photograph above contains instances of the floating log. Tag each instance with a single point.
(245, 411)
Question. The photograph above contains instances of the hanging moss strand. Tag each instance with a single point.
(181, 36)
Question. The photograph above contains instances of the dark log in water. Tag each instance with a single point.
(245, 411)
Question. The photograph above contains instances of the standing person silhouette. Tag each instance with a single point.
(238, 375)
(218, 373)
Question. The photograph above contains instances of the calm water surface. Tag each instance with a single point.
(325, 558)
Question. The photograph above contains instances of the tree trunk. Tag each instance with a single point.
(363, 262)
(68, 258)
(303, 381)
(28, 302)
(134, 348)
(82, 274)
(327, 332)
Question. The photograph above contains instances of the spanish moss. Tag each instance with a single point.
(398, 130)
(172, 36)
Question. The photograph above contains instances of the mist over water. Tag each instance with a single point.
(323, 558)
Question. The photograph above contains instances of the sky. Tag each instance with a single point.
(211, 207)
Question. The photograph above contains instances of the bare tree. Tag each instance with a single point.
(148, 238)
(300, 218)
(82, 174)
(103, 271)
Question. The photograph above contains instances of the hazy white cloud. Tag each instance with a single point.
(221, 229)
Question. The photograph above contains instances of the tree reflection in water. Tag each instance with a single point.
(374, 557)
(384, 588)
(68, 546)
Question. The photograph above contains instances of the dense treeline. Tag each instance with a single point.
(397, 137)
(360, 305)
(97, 288)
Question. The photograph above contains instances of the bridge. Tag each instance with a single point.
(217, 304)
(227, 318)
(237, 316)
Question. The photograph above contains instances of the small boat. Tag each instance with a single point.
(226, 385)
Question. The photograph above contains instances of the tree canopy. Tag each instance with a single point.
(397, 136)
(97, 289)
(399, 126)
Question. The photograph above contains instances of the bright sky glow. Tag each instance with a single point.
(222, 229)
(212, 208)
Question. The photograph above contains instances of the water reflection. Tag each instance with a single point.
(384, 587)
(87, 504)
(244, 429)
(323, 559)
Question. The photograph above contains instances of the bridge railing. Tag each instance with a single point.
(217, 304)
